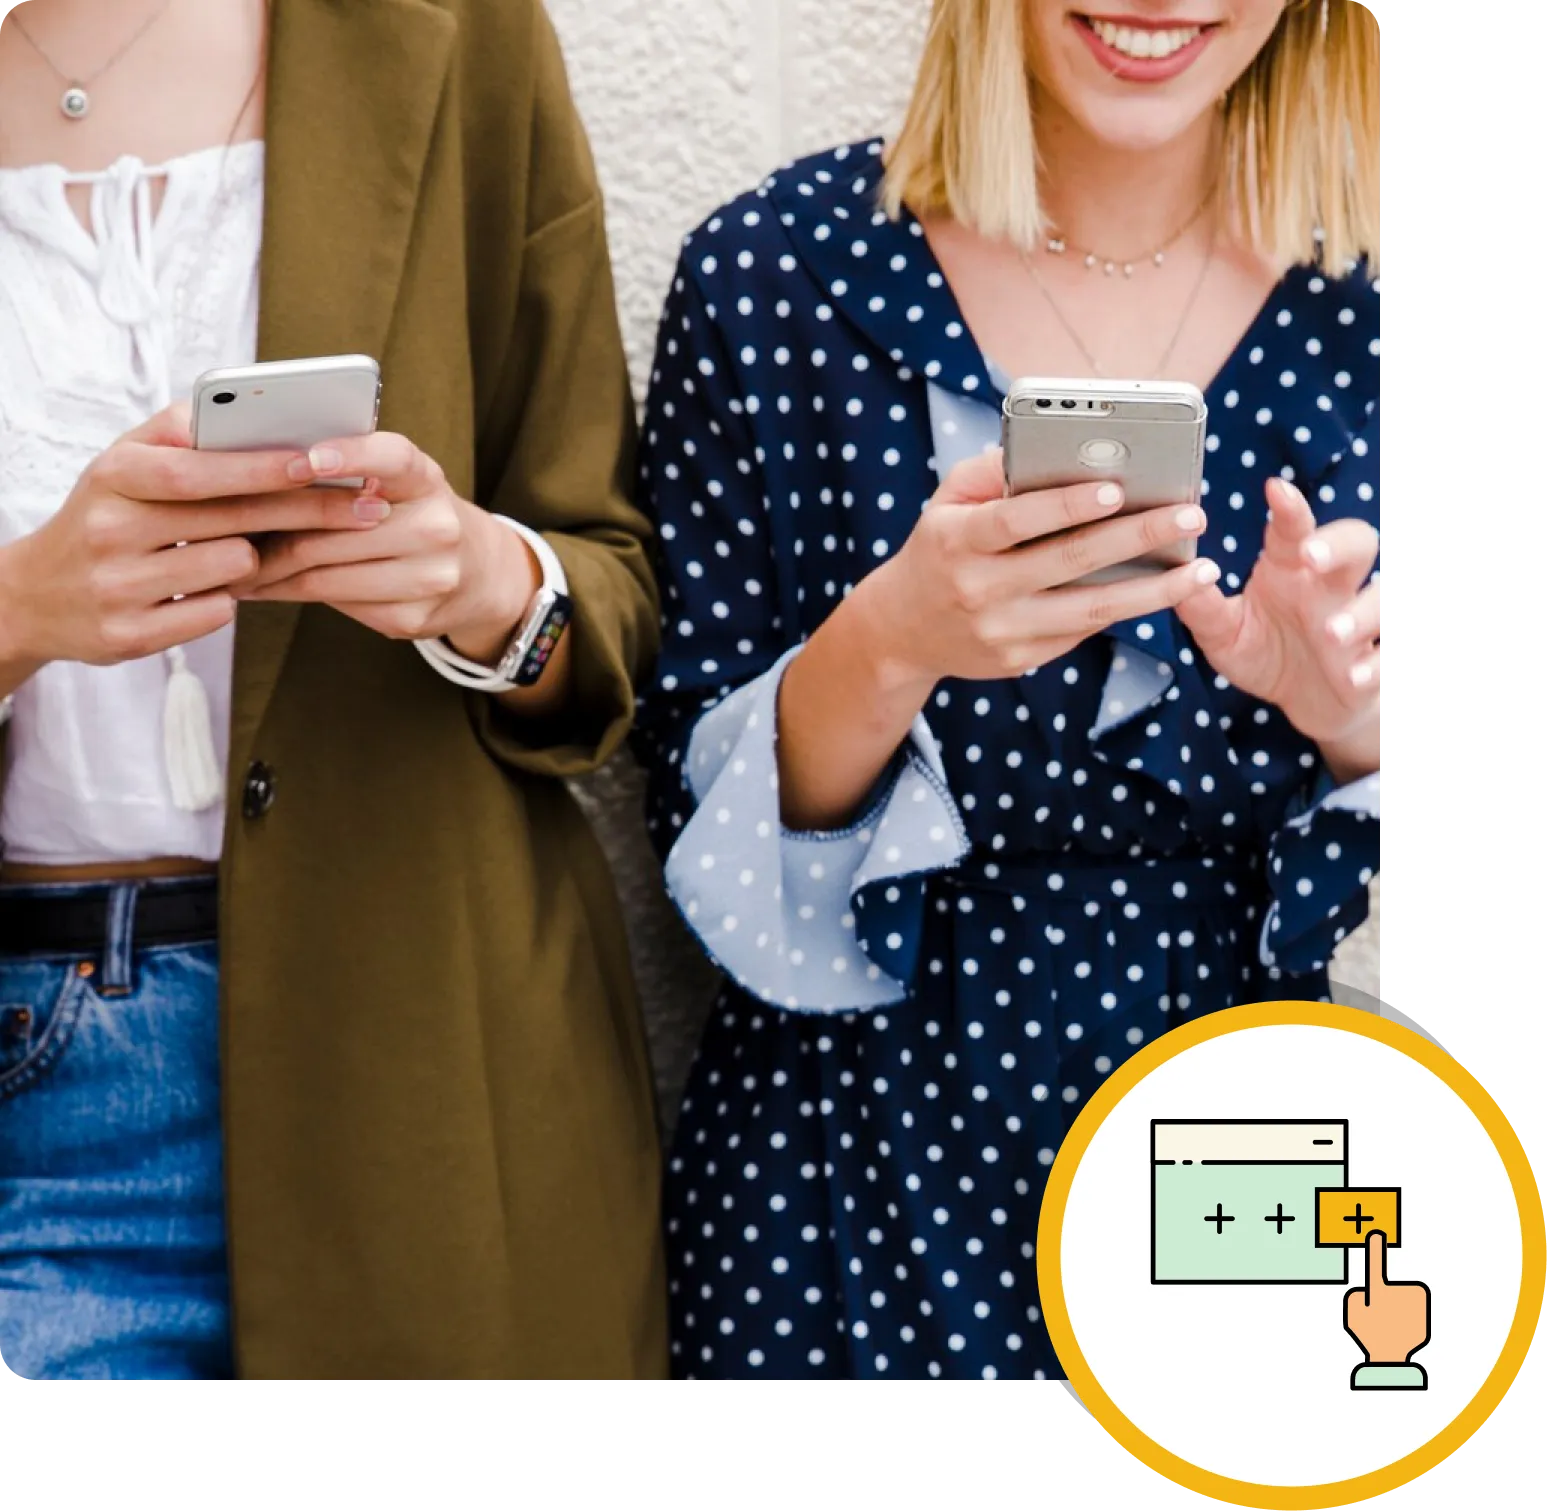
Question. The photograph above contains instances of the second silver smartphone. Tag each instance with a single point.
(286, 406)
(1145, 435)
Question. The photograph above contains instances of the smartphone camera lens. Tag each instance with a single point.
(1044, 403)
(225, 398)
(1069, 403)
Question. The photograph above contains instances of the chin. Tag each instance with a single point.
(1138, 126)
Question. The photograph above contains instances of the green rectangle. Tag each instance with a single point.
(1242, 1223)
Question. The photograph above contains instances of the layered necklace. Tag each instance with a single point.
(1058, 246)
(75, 102)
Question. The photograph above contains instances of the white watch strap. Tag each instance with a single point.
(457, 668)
(547, 557)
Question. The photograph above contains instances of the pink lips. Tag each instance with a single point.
(1141, 70)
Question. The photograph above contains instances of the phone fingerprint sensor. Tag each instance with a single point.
(1101, 452)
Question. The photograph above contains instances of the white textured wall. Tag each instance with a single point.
(688, 103)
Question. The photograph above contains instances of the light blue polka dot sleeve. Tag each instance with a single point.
(774, 907)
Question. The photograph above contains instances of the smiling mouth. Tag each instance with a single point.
(1143, 43)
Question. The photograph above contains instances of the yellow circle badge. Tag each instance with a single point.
(1291, 1255)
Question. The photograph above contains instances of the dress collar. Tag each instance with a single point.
(883, 278)
(879, 273)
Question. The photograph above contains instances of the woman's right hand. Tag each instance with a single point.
(980, 590)
(143, 554)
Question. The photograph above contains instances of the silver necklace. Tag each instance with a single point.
(1059, 246)
(1176, 335)
(75, 102)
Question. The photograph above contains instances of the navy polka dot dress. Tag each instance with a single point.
(1055, 869)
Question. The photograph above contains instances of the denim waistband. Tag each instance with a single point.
(1152, 881)
(106, 921)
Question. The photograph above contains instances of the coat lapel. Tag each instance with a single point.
(354, 89)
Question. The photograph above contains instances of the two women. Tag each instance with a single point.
(358, 1034)
(963, 834)
(360, 1037)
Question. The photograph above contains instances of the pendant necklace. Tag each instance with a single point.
(75, 102)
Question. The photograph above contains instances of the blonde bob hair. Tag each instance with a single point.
(1301, 133)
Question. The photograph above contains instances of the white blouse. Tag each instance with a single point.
(98, 331)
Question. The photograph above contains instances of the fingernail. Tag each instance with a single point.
(1318, 553)
(372, 509)
(1206, 572)
(300, 469)
(325, 459)
(1341, 628)
(1109, 495)
(1189, 519)
(1362, 675)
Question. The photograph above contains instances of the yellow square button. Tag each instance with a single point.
(1346, 1215)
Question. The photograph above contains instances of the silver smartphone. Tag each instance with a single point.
(1146, 435)
(285, 406)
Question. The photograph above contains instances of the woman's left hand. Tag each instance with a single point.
(435, 565)
(1304, 633)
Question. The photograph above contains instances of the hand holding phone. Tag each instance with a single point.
(101, 582)
(1145, 436)
(436, 567)
(990, 586)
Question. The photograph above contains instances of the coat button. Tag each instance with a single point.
(257, 791)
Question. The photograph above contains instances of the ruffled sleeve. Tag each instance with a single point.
(1320, 865)
(826, 921)
(803, 920)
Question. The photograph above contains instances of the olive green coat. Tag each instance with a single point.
(441, 1148)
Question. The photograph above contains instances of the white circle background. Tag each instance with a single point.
(1252, 1381)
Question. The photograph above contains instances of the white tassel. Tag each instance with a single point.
(192, 767)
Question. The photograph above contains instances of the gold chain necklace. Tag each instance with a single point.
(1059, 246)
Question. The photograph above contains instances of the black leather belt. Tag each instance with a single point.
(73, 919)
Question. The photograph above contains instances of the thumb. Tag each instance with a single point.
(1213, 618)
(172, 427)
(1374, 1264)
(977, 480)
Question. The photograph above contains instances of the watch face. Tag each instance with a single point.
(548, 633)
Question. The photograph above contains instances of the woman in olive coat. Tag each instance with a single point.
(423, 1142)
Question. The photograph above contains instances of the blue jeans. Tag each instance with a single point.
(112, 1226)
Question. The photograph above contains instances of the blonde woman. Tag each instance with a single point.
(962, 835)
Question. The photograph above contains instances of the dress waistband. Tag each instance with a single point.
(1166, 879)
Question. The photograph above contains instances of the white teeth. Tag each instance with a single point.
(1137, 42)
